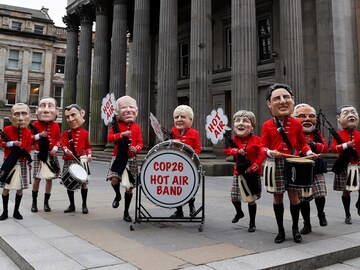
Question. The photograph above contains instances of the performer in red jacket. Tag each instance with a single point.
(127, 136)
(17, 146)
(76, 145)
(183, 132)
(46, 134)
(245, 147)
(307, 115)
(279, 99)
(348, 118)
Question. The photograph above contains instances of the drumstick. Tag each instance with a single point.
(78, 161)
(288, 155)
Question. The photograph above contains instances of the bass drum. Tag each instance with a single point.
(170, 174)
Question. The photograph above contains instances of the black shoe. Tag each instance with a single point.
(280, 237)
(252, 228)
(237, 217)
(177, 214)
(4, 216)
(348, 220)
(127, 218)
(322, 219)
(192, 210)
(116, 201)
(85, 209)
(307, 229)
(70, 209)
(297, 236)
(47, 207)
(17, 215)
(34, 208)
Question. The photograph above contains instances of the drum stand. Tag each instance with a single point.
(142, 215)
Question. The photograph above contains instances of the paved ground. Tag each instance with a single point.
(102, 240)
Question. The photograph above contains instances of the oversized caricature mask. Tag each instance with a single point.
(47, 110)
(307, 117)
(183, 117)
(348, 118)
(281, 103)
(20, 115)
(127, 109)
(74, 116)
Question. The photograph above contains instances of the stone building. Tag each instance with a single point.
(210, 54)
(32, 53)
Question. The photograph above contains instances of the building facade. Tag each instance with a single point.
(32, 53)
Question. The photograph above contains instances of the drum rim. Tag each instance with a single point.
(174, 151)
(82, 168)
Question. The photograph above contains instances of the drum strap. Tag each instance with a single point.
(281, 130)
(72, 146)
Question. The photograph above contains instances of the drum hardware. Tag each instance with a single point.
(74, 177)
(352, 182)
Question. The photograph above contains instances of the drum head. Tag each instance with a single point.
(78, 172)
(169, 177)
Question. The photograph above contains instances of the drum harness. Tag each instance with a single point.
(281, 130)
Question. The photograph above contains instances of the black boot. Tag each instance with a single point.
(320, 204)
(46, 202)
(84, 193)
(34, 207)
(178, 213)
(5, 199)
(192, 209)
(295, 213)
(346, 204)
(239, 212)
(17, 214)
(117, 199)
(252, 213)
(279, 215)
(128, 197)
(305, 212)
(71, 207)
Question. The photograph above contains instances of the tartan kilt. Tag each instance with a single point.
(280, 184)
(37, 166)
(318, 188)
(132, 166)
(66, 166)
(340, 181)
(235, 189)
(24, 175)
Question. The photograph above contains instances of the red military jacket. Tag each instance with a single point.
(319, 147)
(347, 135)
(191, 137)
(53, 131)
(81, 141)
(24, 136)
(252, 147)
(135, 137)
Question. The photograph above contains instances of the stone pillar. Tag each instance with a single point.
(167, 63)
(140, 75)
(244, 89)
(84, 66)
(118, 49)
(47, 73)
(71, 63)
(3, 50)
(100, 76)
(292, 48)
(200, 67)
(23, 94)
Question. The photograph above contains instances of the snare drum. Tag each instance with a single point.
(74, 177)
(352, 180)
(269, 175)
(299, 172)
(170, 174)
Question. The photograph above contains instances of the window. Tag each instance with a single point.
(184, 54)
(228, 46)
(14, 59)
(11, 93)
(264, 39)
(36, 61)
(60, 64)
(58, 90)
(16, 26)
(38, 29)
(34, 94)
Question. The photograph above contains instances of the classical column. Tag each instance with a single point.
(118, 49)
(167, 63)
(84, 66)
(139, 85)
(47, 91)
(200, 67)
(292, 48)
(71, 63)
(3, 50)
(243, 52)
(23, 94)
(100, 75)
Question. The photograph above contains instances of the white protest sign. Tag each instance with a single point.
(216, 125)
(108, 108)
